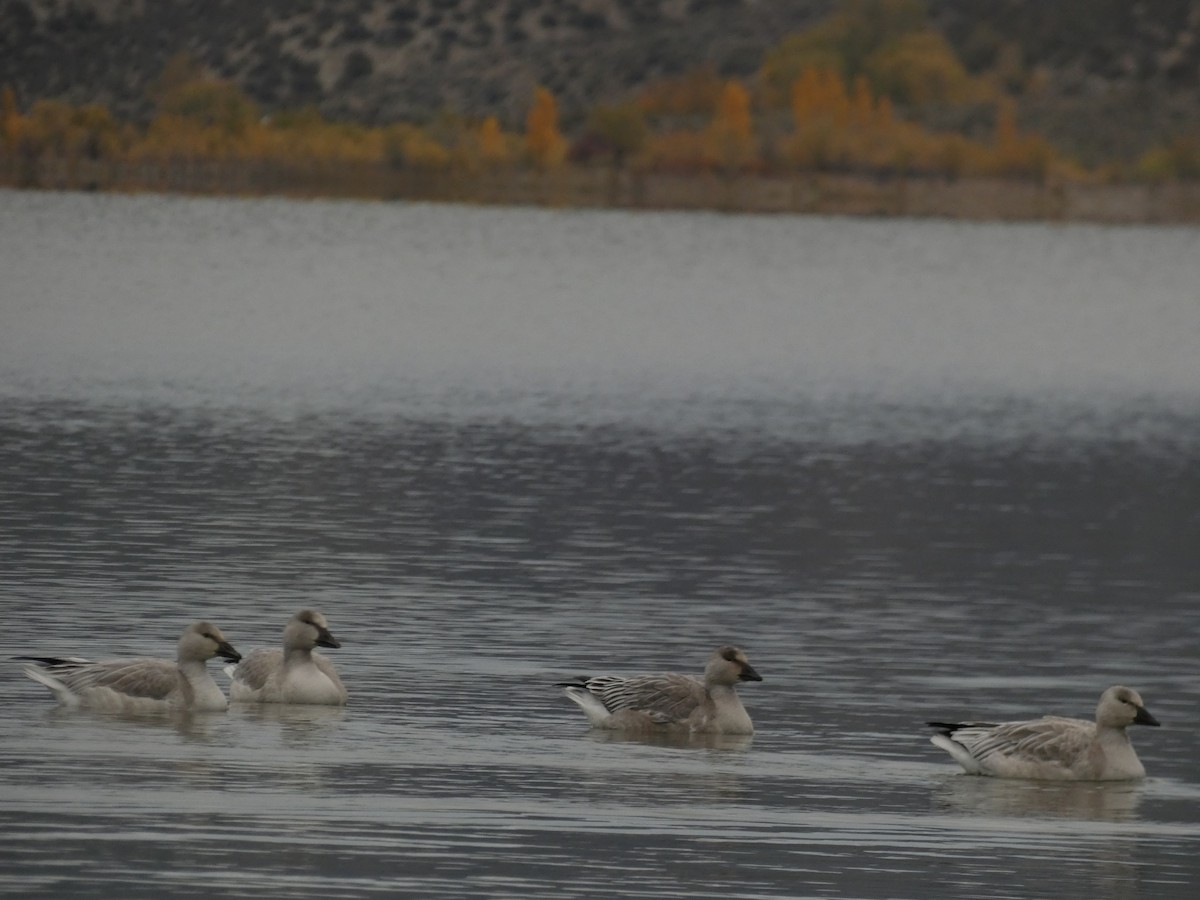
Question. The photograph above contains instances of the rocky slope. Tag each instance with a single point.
(1114, 74)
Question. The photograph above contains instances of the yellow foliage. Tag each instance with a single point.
(819, 96)
(844, 42)
(694, 93)
(622, 128)
(407, 146)
(862, 104)
(918, 69)
(545, 145)
(842, 79)
(181, 69)
(1178, 159)
(836, 129)
(730, 136)
(10, 120)
(677, 151)
(217, 104)
(54, 128)
(790, 61)
(493, 146)
(1014, 153)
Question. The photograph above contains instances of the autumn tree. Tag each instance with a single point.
(919, 69)
(888, 41)
(543, 141)
(409, 147)
(730, 135)
(10, 121)
(1015, 153)
(99, 134)
(843, 42)
(621, 129)
(493, 146)
(181, 69)
(211, 103)
(1179, 158)
(693, 93)
(821, 112)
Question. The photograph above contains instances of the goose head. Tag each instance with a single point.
(202, 641)
(728, 665)
(1120, 707)
(308, 629)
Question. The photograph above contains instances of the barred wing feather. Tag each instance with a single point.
(152, 679)
(256, 667)
(666, 697)
(1049, 739)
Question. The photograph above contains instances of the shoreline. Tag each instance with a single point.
(968, 198)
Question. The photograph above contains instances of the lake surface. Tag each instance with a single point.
(915, 469)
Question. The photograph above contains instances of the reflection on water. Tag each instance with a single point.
(1095, 801)
(469, 566)
(668, 739)
(193, 725)
(498, 448)
(296, 726)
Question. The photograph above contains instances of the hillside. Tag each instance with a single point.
(1112, 76)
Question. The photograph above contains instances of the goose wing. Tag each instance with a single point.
(256, 667)
(153, 679)
(666, 697)
(1051, 739)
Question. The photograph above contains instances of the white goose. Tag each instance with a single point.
(670, 702)
(294, 674)
(140, 685)
(1053, 748)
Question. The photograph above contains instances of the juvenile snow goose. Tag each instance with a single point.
(1053, 748)
(670, 702)
(294, 674)
(140, 685)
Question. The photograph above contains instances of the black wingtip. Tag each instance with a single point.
(581, 681)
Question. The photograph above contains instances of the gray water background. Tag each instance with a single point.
(916, 469)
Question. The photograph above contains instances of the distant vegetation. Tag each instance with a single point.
(853, 94)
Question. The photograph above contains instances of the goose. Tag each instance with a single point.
(140, 685)
(1053, 748)
(294, 674)
(670, 702)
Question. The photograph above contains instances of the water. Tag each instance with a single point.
(917, 470)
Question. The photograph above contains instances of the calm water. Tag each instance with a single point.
(915, 469)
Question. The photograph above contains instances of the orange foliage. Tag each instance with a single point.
(543, 141)
(919, 69)
(10, 120)
(677, 151)
(493, 146)
(694, 93)
(730, 136)
(819, 95)
(837, 129)
(836, 124)
(1015, 153)
(54, 128)
(409, 147)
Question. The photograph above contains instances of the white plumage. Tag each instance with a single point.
(140, 684)
(1052, 747)
(295, 674)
